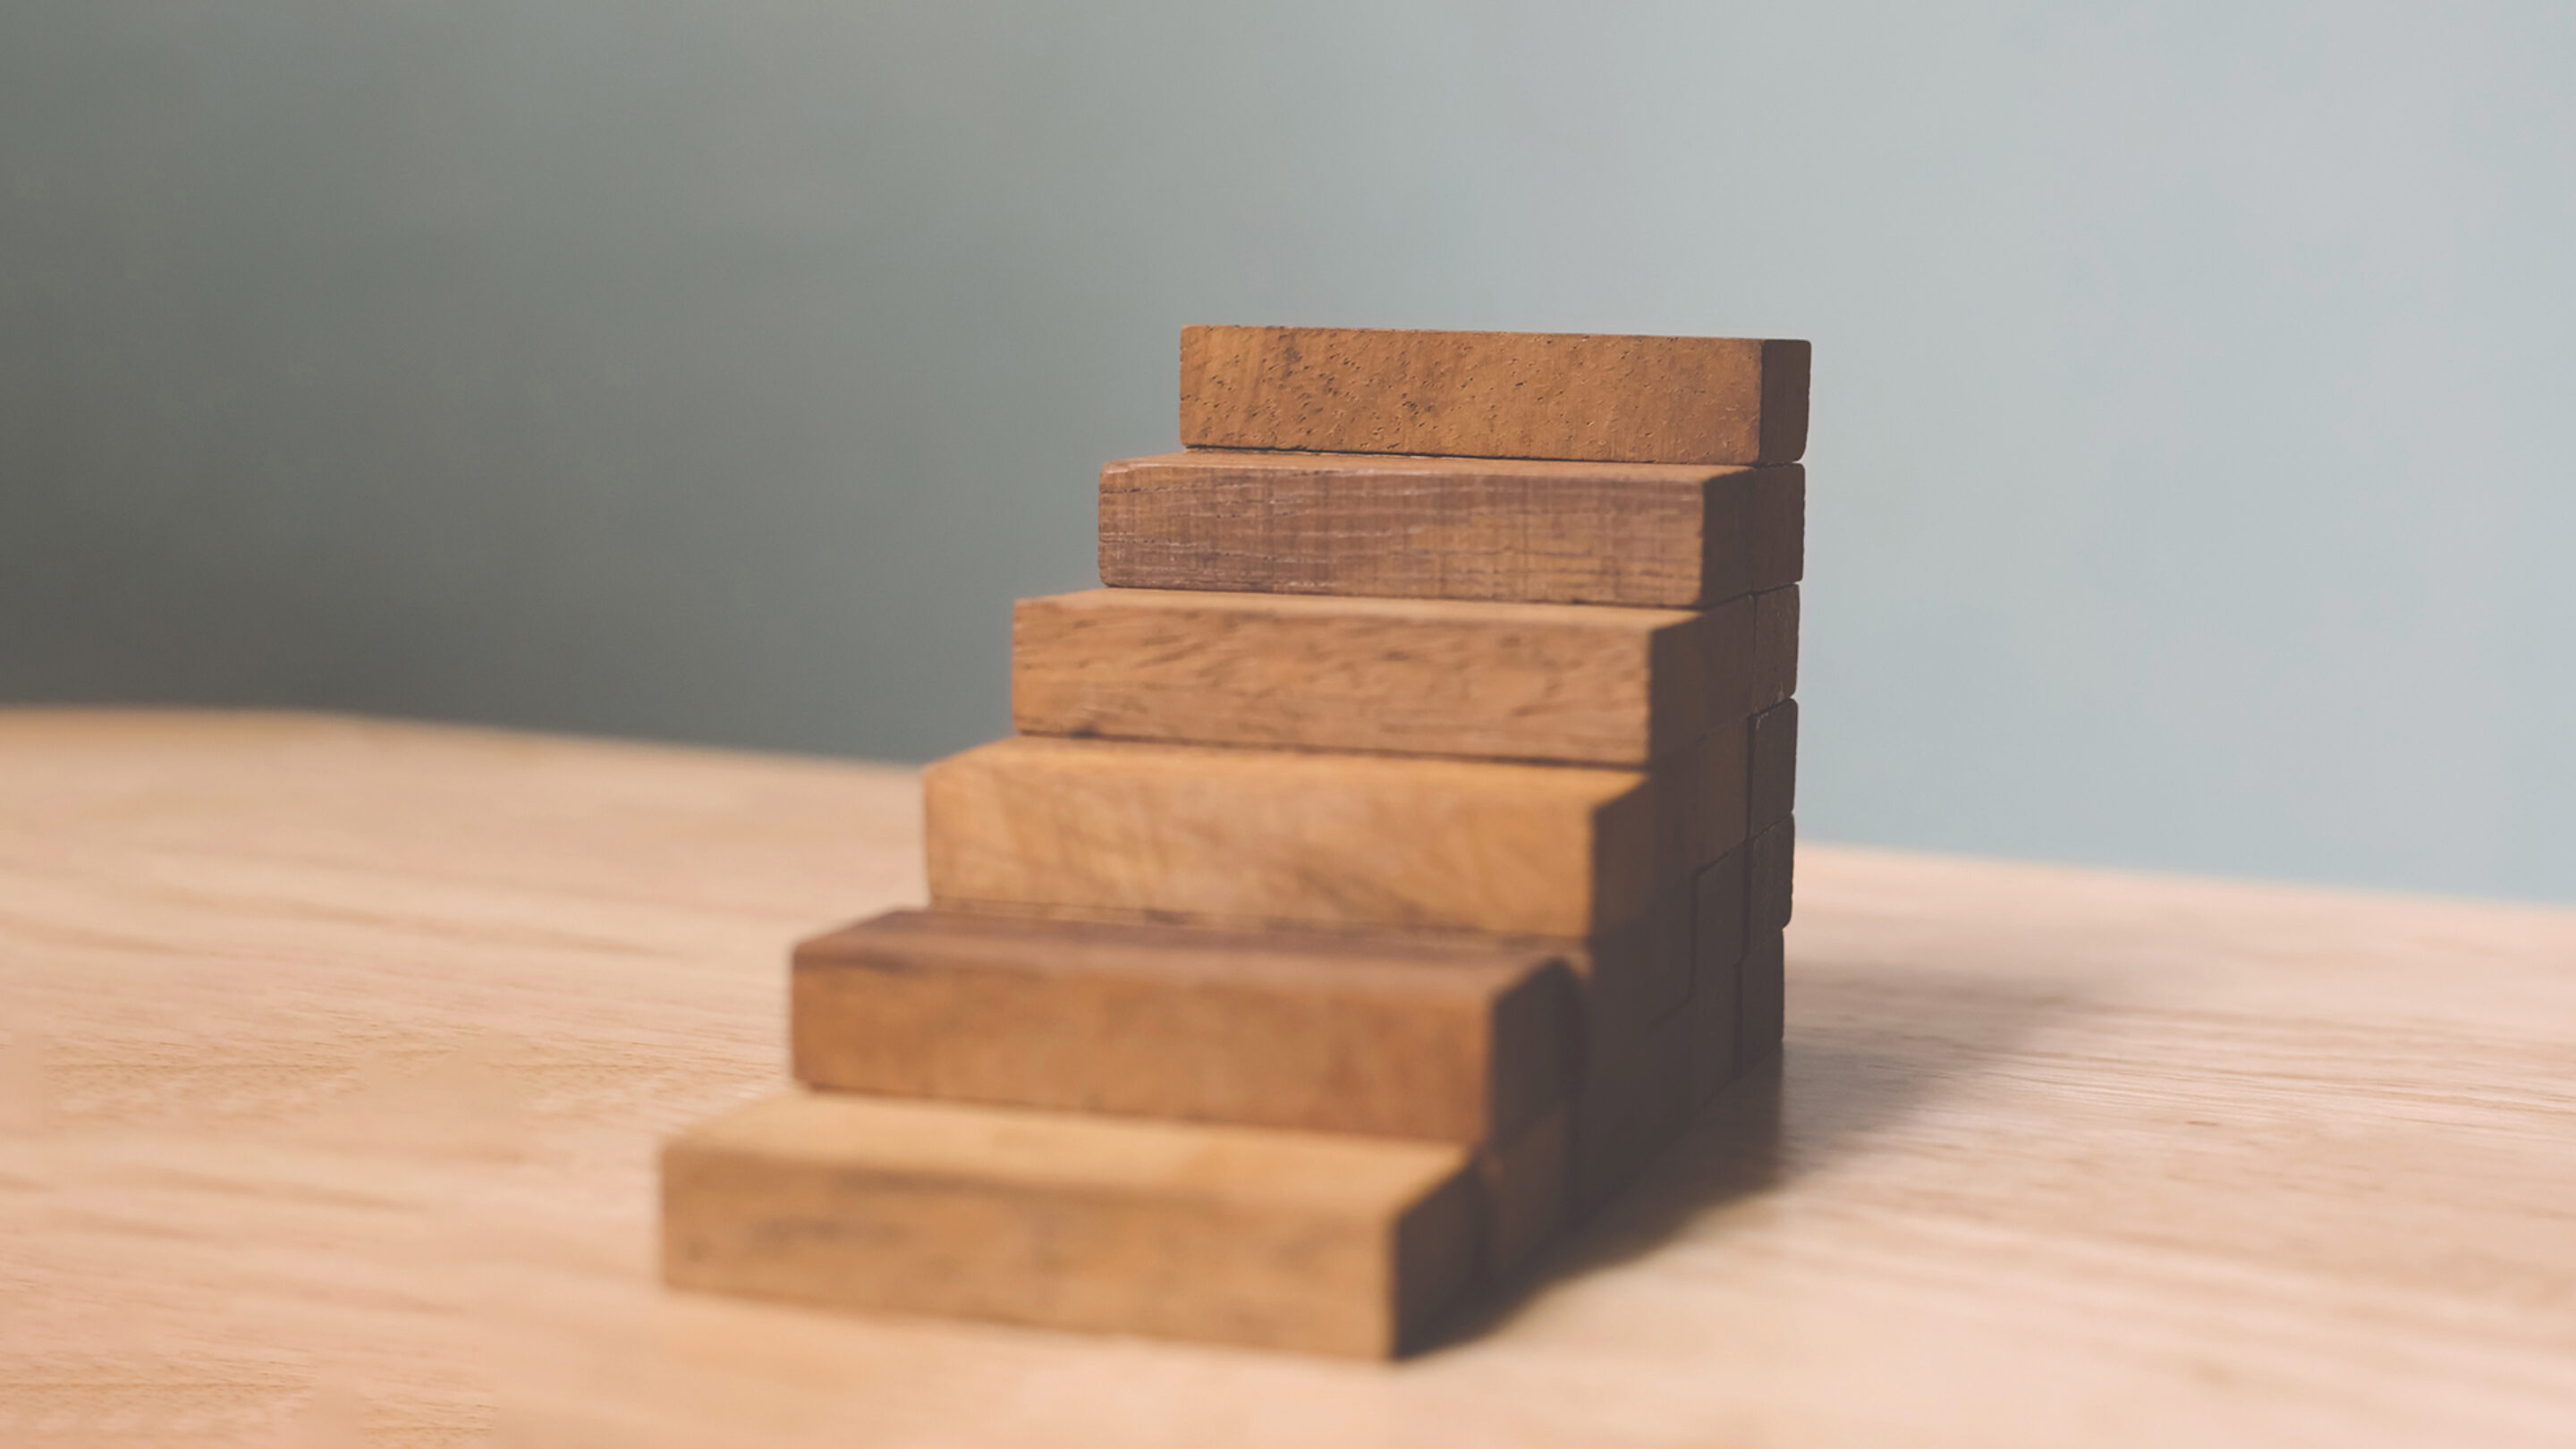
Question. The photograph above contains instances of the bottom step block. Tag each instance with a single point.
(1277, 1239)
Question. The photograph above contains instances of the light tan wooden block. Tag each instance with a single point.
(1455, 1040)
(1291, 1240)
(1113, 830)
(1495, 394)
(1648, 535)
(1551, 682)
(1773, 792)
(1775, 648)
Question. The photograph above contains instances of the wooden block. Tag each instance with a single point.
(1778, 527)
(1713, 786)
(1294, 1240)
(1631, 974)
(1527, 1183)
(1100, 829)
(1627, 1114)
(1732, 677)
(1775, 648)
(1495, 394)
(1661, 536)
(1774, 789)
(1717, 951)
(1714, 1037)
(1719, 923)
(1428, 676)
(1631, 978)
(1760, 1000)
(1769, 859)
(1460, 1041)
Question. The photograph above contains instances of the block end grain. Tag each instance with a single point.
(1785, 367)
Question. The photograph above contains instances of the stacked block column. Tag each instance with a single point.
(1387, 864)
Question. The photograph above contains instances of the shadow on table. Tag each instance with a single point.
(1867, 1045)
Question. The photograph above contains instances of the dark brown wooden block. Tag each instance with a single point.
(1112, 830)
(1718, 925)
(1630, 1111)
(1295, 1240)
(1775, 648)
(1768, 862)
(1527, 1184)
(1778, 529)
(1495, 394)
(1721, 917)
(1731, 669)
(1774, 789)
(1712, 786)
(1761, 999)
(1651, 535)
(1714, 1032)
(1548, 682)
(1632, 977)
(1458, 1041)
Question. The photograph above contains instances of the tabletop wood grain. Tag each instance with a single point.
(336, 1052)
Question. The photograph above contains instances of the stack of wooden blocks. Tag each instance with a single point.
(1389, 863)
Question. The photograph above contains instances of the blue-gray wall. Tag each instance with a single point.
(2192, 482)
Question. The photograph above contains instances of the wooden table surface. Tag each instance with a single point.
(336, 1052)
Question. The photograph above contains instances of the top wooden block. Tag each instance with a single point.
(1574, 396)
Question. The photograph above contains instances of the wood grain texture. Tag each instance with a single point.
(1775, 648)
(1112, 830)
(1292, 1240)
(1647, 535)
(1455, 1041)
(336, 1052)
(1773, 790)
(1495, 394)
(1547, 682)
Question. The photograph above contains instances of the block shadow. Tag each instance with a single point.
(1867, 1046)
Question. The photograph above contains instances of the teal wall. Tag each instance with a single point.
(2192, 482)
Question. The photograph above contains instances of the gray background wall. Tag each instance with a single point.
(2191, 482)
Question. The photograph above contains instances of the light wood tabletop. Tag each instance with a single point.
(336, 1053)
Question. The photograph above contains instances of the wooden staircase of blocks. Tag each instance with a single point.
(1389, 862)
